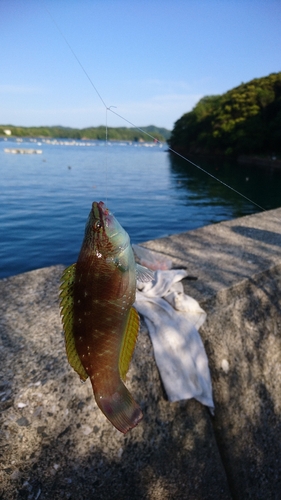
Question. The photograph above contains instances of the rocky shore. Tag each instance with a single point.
(56, 444)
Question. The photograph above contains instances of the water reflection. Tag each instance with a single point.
(262, 185)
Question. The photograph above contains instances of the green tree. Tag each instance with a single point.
(246, 119)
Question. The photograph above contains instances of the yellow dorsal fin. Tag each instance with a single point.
(129, 341)
(66, 303)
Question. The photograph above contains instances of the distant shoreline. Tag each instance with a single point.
(147, 134)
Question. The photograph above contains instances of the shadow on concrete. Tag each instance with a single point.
(251, 457)
(57, 445)
(246, 325)
(151, 469)
(262, 235)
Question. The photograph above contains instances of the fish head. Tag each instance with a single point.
(103, 233)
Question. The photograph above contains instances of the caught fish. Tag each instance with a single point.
(99, 322)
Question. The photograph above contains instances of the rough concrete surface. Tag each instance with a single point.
(56, 444)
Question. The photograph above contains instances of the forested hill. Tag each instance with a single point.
(118, 133)
(244, 120)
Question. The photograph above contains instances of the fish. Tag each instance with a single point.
(99, 321)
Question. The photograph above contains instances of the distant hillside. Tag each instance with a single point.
(118, 133)
(244, 120)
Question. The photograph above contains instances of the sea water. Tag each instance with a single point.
(45, 198)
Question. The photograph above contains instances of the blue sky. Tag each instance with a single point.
(151, 59)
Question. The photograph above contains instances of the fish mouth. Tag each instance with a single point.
(103, 214)
(99, 210)
(100, 213)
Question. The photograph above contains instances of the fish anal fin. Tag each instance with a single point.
(129, 342)
(66, 304)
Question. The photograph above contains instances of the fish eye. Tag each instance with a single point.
(97, 225)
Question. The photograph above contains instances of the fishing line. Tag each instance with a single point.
(106, 162)
(194, 164)
(73, 53)
(109, 108)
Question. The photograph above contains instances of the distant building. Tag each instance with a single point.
(7, 132)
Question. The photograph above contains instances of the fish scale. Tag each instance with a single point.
(100, 324)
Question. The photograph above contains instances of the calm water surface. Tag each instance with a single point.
(45, 199)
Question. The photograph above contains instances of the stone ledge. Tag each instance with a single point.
(225, 254)
(56, 444)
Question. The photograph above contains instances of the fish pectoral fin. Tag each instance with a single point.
(66, 304)
(129, 342)
(144, 274)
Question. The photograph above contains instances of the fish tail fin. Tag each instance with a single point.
(120, 409)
